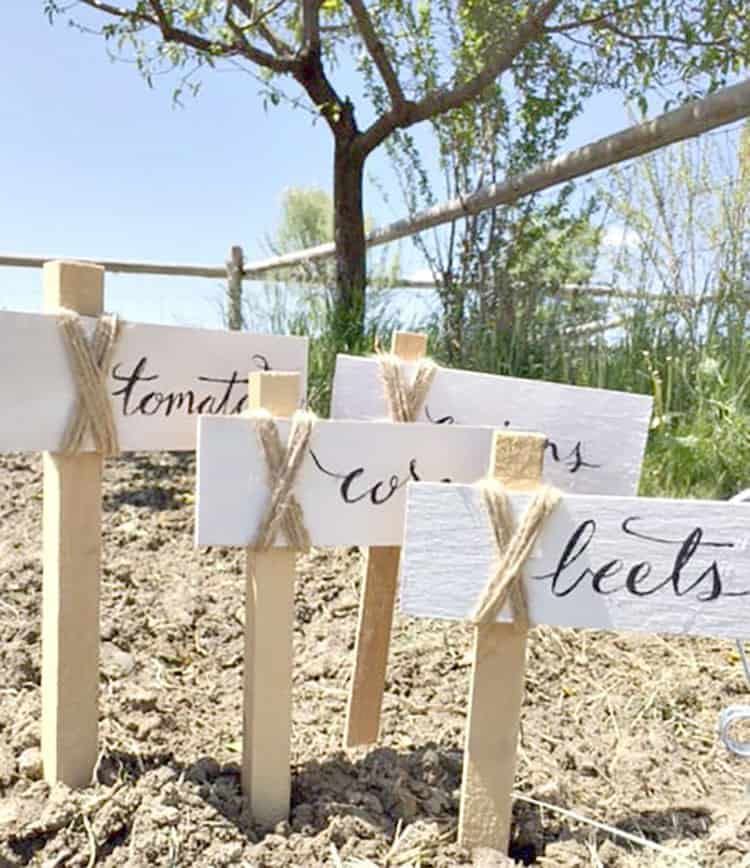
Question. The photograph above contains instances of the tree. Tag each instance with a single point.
(495, 271)
(556, 53)
(684, 218)
(307, 221)
(299, 299)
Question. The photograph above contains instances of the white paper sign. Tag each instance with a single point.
(161, 378)
(597, 437)
(351, 484)
(641, 564)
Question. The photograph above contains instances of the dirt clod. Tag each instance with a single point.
(30, 763)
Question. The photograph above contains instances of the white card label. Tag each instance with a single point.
(161, 379)
(615, 563)
(596, 437)
(351, 485)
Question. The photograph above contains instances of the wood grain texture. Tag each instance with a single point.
(71, 573)
(497, 687)
(597, 436)
(409, 346)
(269, 615)
(495, 698)
(161, 379)
(517, 459)
(376, 604)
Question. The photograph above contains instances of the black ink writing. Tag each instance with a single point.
(636, 579)
(353, 489)
(442, 420)
(228, 399)
(573, 460)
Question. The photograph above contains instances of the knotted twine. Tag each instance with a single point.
(405, 400)
(282, 466)
(90, 363)
(513, 547)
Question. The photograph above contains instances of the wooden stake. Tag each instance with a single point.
(497, 683)
(72, 519)
(376, 610)
(269, 615)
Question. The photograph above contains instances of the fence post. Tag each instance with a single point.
(235, 268)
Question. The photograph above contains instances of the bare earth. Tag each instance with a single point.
(619, 729)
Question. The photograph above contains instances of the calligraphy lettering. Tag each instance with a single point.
(221, 401)
(707, 584)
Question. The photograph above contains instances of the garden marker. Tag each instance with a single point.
(377, 601)
(596, 443)
(497, 682)
(347, 488)
(79, 385)
(614, 563)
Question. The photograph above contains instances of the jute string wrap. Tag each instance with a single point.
(283, 464)
(90, 363)
(514, 546)
(405, 400)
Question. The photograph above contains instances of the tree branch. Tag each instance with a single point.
(119, 12)
(257, 21)
(276, 42)
(593, 21)
(377, 51)
(310, 74)
(311, 24)
(281, 64)
(179, 35)
(439, 101)
(661, 37)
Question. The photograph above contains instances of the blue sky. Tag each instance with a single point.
(95, 164)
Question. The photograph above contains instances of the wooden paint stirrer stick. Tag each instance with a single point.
(376, 604)
(269, 617)
(497, 682)
(72, 533)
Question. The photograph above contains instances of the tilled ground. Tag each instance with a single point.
(620, 730)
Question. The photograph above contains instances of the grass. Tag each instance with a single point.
(693, 359)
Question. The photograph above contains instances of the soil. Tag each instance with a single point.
(618, 729)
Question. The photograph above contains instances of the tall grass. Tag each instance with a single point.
(685, 217)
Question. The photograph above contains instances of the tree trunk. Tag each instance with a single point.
(348, 315)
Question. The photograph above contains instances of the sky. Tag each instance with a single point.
(94, 164)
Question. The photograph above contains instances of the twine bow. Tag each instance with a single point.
(283, 464)
(90, 363)
(513, 546)
(405, 400)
